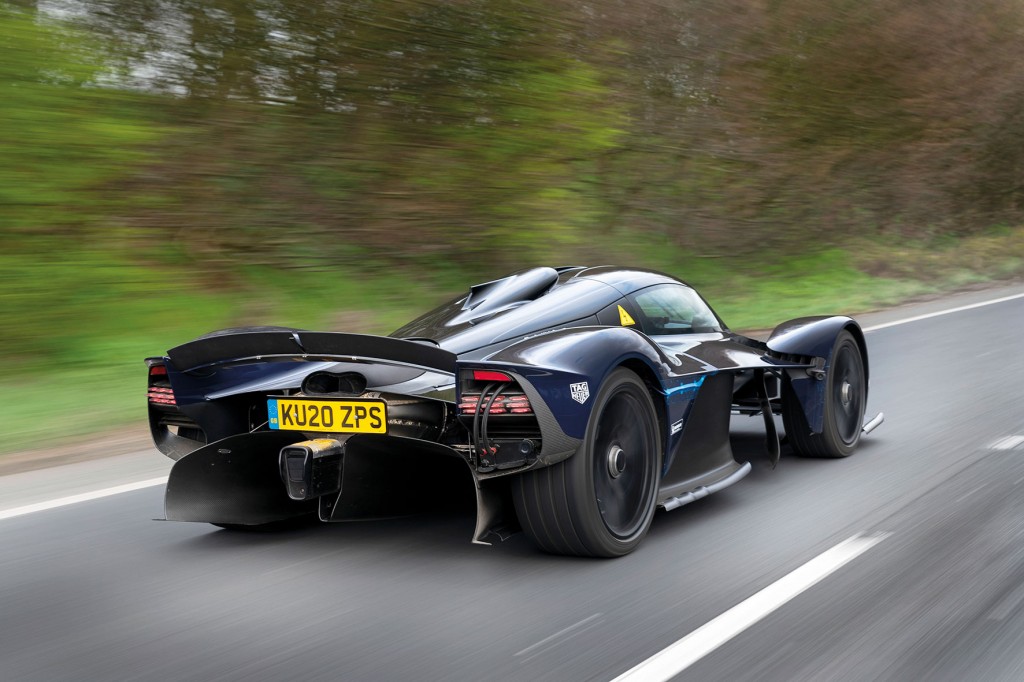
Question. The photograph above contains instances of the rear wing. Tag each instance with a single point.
(241, 347)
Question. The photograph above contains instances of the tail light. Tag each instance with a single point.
(161, 396)
(159, 389)
(491, 390)
(502, 404)
(504, 432)
(490, 375)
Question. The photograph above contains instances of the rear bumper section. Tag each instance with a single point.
(174, 433)
(557, 445)
(235, 481)
(249, 480)
(259, 478)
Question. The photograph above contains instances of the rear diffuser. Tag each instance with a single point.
(236, 480)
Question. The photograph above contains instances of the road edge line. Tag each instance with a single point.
(80, 497)
(677, 657)
(939, 313)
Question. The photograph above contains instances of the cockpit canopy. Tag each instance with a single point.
(539, 299)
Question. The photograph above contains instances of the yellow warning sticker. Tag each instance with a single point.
(624, 319)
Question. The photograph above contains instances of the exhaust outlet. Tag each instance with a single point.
(312, 468)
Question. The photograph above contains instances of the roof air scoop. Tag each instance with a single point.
(491, 297)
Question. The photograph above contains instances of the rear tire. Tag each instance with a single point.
(845, 401)
(600, 501)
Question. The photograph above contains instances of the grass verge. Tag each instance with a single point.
(87, 376)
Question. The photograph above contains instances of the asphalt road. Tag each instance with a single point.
(98, 590)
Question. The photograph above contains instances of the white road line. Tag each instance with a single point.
(672, 660)
(81, 497)
(1008, 443)
(943, 312)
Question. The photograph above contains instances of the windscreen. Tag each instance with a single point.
(674, 309)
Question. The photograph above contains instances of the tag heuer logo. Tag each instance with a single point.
(580, 392)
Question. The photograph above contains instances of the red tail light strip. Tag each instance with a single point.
(161, 396)
(490, 375)
(502, 404)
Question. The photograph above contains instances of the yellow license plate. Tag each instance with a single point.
(330, 416)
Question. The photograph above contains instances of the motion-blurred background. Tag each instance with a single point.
(168, 167)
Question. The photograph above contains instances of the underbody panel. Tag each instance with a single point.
(241, 480)
(235, 481)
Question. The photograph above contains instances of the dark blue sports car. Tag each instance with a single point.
(572, 401)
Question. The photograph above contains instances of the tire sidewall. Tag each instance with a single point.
(592, 528)
(830, 427)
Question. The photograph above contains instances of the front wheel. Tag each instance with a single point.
(846, 393)
(600, 501)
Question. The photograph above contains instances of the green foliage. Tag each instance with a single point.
(35, 415)
(64, 143)
(83, 321)
(62, 140)
(168, 167)
(829, 87)
(66, 306)
(433, 127)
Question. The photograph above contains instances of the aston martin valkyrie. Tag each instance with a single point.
(570, 403)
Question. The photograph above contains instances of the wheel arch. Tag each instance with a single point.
(553, 362)
(814, 339)
(838, 415)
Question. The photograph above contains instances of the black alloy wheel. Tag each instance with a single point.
(600, 501)
(845, 402)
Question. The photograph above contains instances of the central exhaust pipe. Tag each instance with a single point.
(312, 468)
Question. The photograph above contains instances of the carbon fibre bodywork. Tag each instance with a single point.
(494, 385)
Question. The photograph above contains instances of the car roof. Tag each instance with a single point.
(625, 280)
(527, 302)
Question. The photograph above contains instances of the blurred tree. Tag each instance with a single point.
(412, 129)
(62, 140)
(65, 144)
(406, 127)
(481, 135)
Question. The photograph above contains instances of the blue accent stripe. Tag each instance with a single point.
(693, 386)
